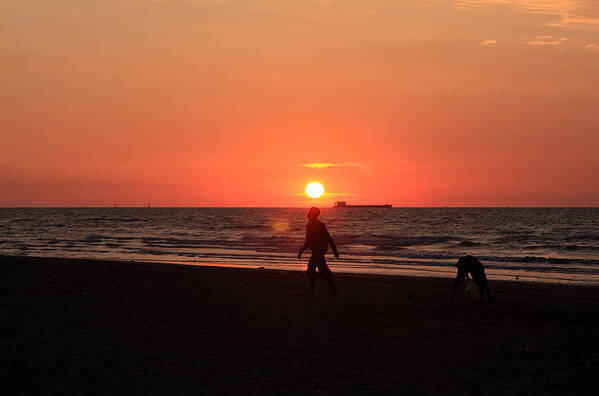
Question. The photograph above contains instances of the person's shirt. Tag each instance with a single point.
(318, 237)
(469, 264)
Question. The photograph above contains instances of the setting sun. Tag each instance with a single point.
(314, 190)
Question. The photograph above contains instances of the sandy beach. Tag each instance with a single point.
(84, 326)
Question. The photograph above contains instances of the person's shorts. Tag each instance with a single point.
(318, 261)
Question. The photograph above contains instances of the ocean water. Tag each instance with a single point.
(540, 244)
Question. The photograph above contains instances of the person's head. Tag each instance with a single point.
(464, 260)
(313, 213)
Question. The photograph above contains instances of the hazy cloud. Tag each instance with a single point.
(324, 165)
(487, 43)
(547, 40)
(330, 194)
(576, 22)
(573, 14)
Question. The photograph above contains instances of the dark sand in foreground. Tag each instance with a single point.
(82, 326)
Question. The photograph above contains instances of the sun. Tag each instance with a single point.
(314, 190)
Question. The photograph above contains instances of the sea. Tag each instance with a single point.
(525, 244)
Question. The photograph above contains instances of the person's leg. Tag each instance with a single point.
(311, 273)
(325, 271)
(483, 288)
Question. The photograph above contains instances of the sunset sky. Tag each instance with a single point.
(243, 102)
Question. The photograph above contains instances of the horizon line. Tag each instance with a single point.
(300, 207)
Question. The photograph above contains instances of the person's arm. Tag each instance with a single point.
(459, 279)
(332, 243)
(299, 255)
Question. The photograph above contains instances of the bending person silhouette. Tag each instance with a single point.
(469, 264)
(318, 240)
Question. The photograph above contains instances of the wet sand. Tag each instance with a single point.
(83, 326)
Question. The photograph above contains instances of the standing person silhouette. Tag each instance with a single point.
(469, 264)
(318, 240)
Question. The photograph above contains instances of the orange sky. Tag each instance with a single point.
(224, 102)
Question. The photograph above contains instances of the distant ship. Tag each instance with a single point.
(343, 204)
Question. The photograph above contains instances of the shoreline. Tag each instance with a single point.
(300, 271)
(418, 271)
(81, 326)
(341, 267)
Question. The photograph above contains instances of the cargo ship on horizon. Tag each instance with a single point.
(343, 204)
